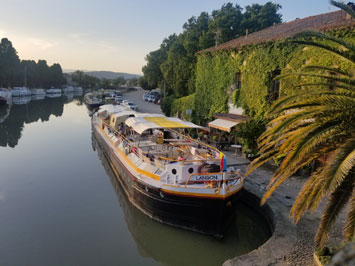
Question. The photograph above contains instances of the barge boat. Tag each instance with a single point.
(166, 174)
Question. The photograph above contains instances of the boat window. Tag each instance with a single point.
(174, 171)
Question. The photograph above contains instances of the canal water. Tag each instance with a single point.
(60, 203)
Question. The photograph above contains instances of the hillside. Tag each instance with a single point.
(106, 74)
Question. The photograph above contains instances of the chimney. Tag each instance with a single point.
(246, 34)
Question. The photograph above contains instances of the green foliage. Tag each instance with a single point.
(214, 76)
(180, 106)
(14, 72)
(257, 65)
(248, 133)
(88, 81)
(325, 254)
(317, 125)
(9, 63)
(167, 103)
(175, 61)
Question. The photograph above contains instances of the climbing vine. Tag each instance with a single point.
(216, 76)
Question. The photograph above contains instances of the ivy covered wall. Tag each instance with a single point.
(216, 74)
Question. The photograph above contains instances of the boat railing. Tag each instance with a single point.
(143, 155)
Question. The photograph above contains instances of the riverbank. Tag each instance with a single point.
(290, 244)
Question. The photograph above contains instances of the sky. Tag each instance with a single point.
(112, 35)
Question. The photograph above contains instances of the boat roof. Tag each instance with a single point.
(112, 109)
(154, 121)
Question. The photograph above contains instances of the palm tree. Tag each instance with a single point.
(317, 126)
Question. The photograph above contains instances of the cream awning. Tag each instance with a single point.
(142, 123)
(222, 124)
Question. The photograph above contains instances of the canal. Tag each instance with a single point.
(60, 203)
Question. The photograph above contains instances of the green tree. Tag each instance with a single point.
(9, 63)
(226, 22)
(173, 65)
(317, 126)
(257, 17)
(43, 74)
(56, 75)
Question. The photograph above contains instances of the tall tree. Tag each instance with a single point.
(317, 126)
(9, 63)
(257, 17)
(173, 65)
(226, 22)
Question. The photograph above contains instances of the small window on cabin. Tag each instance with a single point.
(274, 91)
(238, 81)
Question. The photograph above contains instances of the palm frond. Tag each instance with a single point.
(343, 7)
(336, 202)
(350, 220)
(328, 69)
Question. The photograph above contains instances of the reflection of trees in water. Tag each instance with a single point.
(11, 128)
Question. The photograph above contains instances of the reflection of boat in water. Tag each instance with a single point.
(168, 176)
(20, 91)
(38, 97)
(78, 92)
(21, 100)
(38, 92)
(54, 95)
(4, 113)
(68, 89)
(53, 91)
(69, 96)
(5, 96)
(93, 100)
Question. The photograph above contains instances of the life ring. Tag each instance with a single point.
(216, 191)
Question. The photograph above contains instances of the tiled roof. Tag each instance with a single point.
(323, 22)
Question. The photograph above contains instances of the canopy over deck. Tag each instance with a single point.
(225, 122)
(222, 124)
(142, 123)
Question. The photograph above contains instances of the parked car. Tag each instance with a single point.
(151, 98)
(130, 105)
(156, 100)
(145, 96)
(118, 99)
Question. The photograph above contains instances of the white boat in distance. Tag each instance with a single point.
(54, 91)
(21, 91)
(169, 176)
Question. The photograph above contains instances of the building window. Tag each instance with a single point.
(238, 81)
(274, 90)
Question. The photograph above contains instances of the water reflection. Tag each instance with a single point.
(173, 246)
(27, 110)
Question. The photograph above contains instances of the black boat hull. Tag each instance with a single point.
(204, 215)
